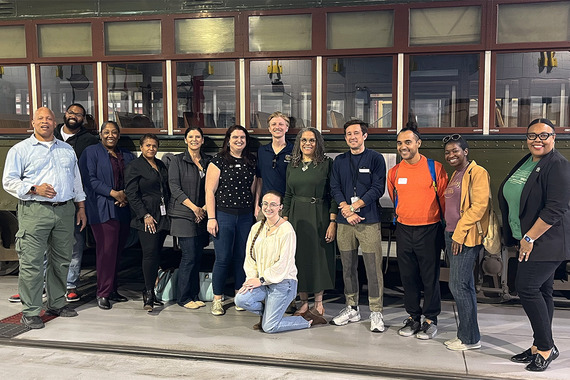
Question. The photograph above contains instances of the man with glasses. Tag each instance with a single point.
(357, 183)
(416, 186)
(273, 158)
(42, 173)
(73, 132)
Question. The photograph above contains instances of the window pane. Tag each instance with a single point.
(445, 26)
(12, 42)
(444, 90)
(14, 98)
(535, 22)
(205, 35)
(532, 85)
(135, 94)
(67, 84)
(54, 41)
(206, 94)
(266, 33)
(288, 91)
(132, 37)
(359, 88)
(354, 30)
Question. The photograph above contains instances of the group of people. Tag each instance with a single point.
(303, 201)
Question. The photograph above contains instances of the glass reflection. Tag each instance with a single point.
(14, 97)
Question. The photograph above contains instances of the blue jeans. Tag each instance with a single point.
(277, 298)
(188, 272)
(76, 256)
(229, 245)
(462, 286)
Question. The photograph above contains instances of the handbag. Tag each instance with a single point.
(206, 289)
(491, 240)
(165, 287)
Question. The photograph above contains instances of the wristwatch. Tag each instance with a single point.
(261, 280)
(32, 190)
(528, 238)
(352, 209)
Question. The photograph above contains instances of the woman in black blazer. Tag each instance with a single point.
(534, 204)
(148, 194)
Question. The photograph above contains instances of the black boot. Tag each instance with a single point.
(155, 301)
(148, 296)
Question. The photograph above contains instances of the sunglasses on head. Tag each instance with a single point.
(275, 157)
(449, 138)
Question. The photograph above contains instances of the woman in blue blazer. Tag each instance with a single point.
(102, 169)
(536, 218)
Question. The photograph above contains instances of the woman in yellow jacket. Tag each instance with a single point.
(466, 203)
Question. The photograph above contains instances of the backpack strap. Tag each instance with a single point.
(431, 166)
(393, 178)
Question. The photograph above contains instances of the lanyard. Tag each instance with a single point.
(355, 171)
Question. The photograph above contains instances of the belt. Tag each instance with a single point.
(45, 203)
(307, 199)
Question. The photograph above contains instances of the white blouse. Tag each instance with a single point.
(273, 255)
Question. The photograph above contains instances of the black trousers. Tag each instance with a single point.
(151, 245)
(534, 282)
(419, 251)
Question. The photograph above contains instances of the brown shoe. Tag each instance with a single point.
(257, 326)
(315, 316)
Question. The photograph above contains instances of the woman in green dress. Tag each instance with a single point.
(311, 210)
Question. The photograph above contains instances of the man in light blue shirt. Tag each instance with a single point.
(42, 173)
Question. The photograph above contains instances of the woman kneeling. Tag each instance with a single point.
(271, 274)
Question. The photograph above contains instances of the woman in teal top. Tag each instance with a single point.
(536, 219)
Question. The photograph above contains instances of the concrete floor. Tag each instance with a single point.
(133, 344)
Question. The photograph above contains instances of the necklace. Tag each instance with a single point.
(306, 165)
(270, 227)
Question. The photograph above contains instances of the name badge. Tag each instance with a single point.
(402, 181)
(237, 166)
(364, 170)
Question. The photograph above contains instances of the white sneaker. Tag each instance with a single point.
(451, 341)
(458, 346)
(217, 308)
(348, 314)
(376, 322)
(427, 331)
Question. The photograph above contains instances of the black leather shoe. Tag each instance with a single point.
(524, 357)
(115, 296)
(148, 303)
(103, 303)
(539, 363)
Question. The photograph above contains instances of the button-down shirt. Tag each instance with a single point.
(32, 162)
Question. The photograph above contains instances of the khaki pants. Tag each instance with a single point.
(44, 229)
(369, 237)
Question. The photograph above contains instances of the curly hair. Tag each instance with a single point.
(297, 156)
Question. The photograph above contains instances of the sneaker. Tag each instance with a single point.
(376, 322)
(217, 308)
(72, 296)
(451, 341)
(33, 322)
(458, 346)
(200, 303)
(65, 312)
(239, 308)
(191, 305)
(427, 331)
(410, 328)
(348, 314)
(16, 297)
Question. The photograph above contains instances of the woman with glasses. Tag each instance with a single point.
(230, 188)
(466, 212)
(271, 274)
(536, 219)
(187, 178)
(273, 158)
(309, 207)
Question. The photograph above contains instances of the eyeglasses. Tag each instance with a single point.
(449, 138)
(542, 136)
(74, 113)
(275, 157)
(272, 204)
(310, 141)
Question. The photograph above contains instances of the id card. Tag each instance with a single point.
(162, 210)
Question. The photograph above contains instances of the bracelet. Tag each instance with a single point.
(147, 216)
(211, 218)
(333, 221)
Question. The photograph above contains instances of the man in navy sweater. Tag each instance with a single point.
(357, 183)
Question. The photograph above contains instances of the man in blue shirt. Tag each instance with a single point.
(42, 173)
(357, 182)
(273, 158)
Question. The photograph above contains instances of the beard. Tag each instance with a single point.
(72, 124)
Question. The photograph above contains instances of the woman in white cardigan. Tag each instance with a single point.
(271, 274)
